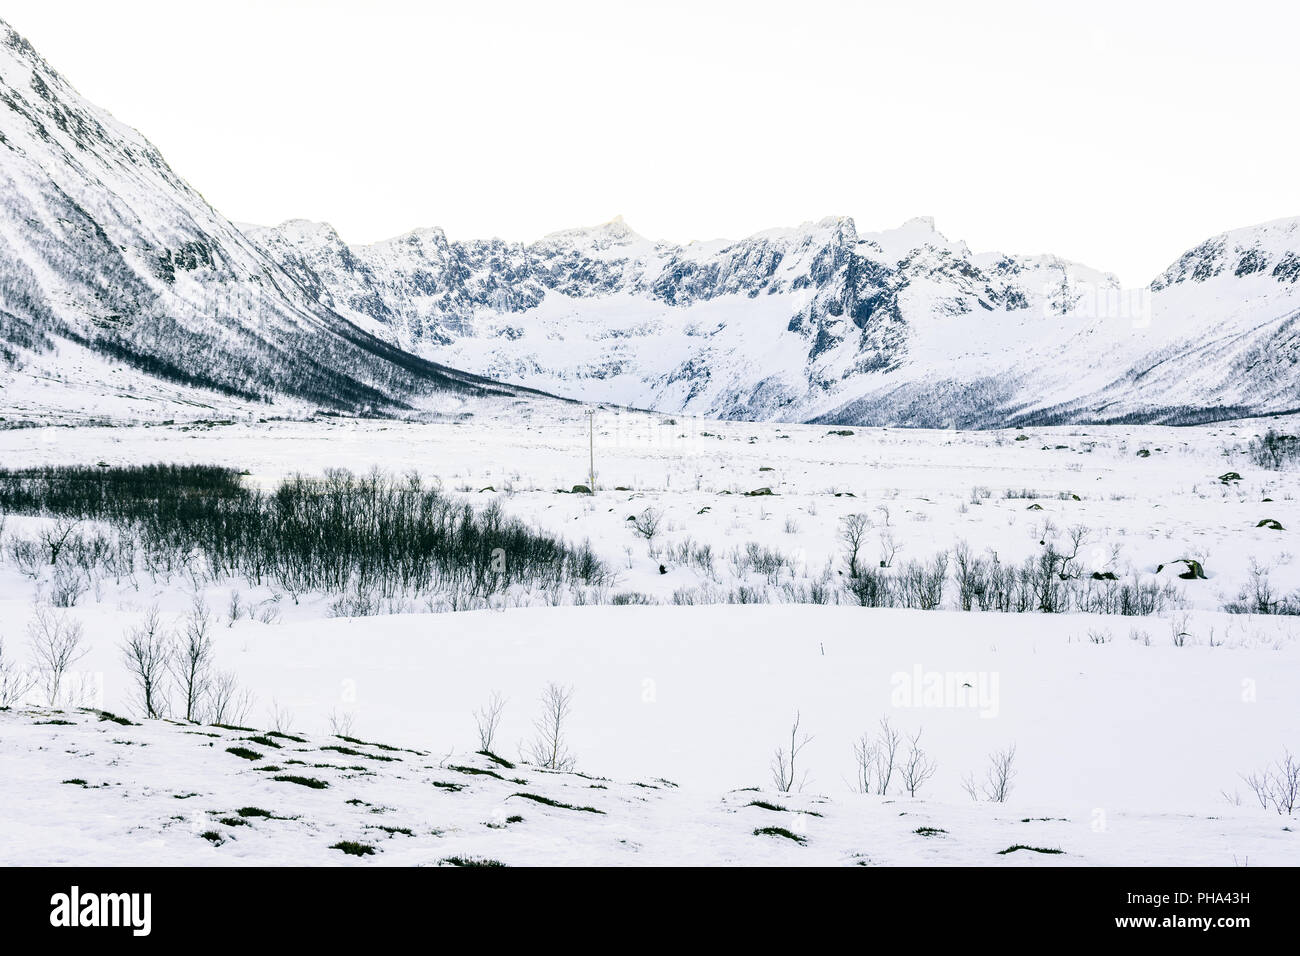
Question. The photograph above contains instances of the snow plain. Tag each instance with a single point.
(1134, 731)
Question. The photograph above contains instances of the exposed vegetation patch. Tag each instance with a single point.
(311, 782)
(367, 743)
(499, 761)
(476, 771)
(547, 801)
(391, 831)
(781, 832)
(349, 752)
(244, 752)
(352, 848)
(1032, 849)
(468, 861)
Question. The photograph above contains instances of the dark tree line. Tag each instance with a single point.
(373, 533)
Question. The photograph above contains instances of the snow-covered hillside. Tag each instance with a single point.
(116, 276)
(112, 268)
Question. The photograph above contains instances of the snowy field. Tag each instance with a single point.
(1131, 732)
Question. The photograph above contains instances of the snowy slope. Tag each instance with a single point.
(104, 246)
(82, 785)
(104, 249)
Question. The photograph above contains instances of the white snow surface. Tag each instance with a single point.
(1127, 735)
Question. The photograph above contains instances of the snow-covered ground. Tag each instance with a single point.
(78, 788)
(1134, 730)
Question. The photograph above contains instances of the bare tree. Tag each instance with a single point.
(785, 770)
(853, 529)
(191, 661)
(918, 767)
(55, 537)
(550, 747)
(227, 702)
(147, 651)
(998, 776)
(15, 682)
(56, 642)
(864, 761)
(888, 548)
(488, 720)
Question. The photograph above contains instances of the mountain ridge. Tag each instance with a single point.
(110, 263)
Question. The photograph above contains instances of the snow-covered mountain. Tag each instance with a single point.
(110, 264)
(824, 323)
(115, 275)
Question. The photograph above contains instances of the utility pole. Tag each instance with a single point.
(591, 449)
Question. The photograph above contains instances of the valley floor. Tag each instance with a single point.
(1133, 734)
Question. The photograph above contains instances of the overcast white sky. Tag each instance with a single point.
(1118, 134)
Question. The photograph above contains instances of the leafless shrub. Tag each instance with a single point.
(1277, 786)
(876, 757)
(918, 767)
(647, 523)
(550, 748)
(67, 585)
(488, 721)
(146, 652)
(341, 722)
(998, 776)
(280, 718)
(57, 644)
(235, 607)
(15, 682)
(785, 772)
(228, 702)
(921, 585)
